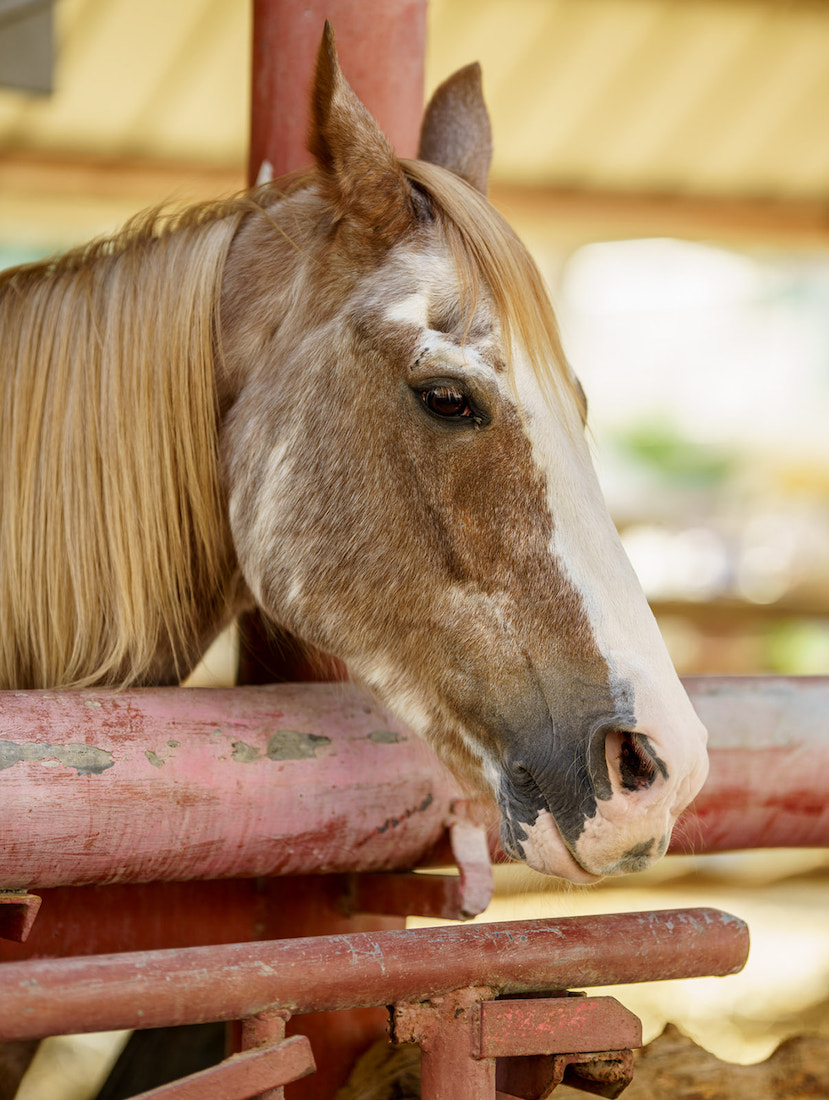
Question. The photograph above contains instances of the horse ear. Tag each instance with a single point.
(363, 176)
(456, 133)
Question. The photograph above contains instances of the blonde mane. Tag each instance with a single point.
(112, 530)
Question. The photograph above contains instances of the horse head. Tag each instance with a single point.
(410, 488)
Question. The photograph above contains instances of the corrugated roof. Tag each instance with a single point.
(714, 99)
(725, 97)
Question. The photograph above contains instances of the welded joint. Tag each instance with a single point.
(264, 1028)
(520, 1038)
(424, 1021)
(17, 914)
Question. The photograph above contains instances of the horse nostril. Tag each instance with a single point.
(630, 758)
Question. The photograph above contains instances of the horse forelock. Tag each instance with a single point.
(489, 256)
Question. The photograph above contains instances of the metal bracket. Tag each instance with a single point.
(449, 897)
(520, 1048)
(17, 914)
(603, 1073)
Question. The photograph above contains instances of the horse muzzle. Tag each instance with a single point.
(607, 808)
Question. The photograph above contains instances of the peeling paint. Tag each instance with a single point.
(85, 759)
(154, 759)
(173, 744)
(245, 754)
(393, 822)
(386, 737)
(291, 745)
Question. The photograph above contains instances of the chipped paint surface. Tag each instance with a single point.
(85, 759)
(394, 822)
(163, 988)
(245, 754)
(386, 737)
(211, 783)
(339, 803)
(291, 745)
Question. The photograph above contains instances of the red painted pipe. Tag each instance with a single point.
(174, 784)
(170, 784)
(381, 46)
(167, 988)
(769, 746)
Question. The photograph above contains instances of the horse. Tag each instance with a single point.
(341, 398)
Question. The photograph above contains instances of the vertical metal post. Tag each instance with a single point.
(265, 1029)
(381, 44)
(447, 1030)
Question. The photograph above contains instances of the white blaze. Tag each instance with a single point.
(590, 554)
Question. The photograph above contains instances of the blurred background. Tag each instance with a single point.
(667, 162)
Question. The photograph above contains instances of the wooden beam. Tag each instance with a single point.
(45, 174)
(576, 215)
(566, 216)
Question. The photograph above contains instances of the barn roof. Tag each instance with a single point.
(602, 109)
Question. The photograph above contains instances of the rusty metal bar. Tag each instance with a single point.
(302, 778)
(545, 1026)
(165, 988)
(243, 1076)
(408, 894)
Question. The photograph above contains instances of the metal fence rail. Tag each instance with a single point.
(170, 785)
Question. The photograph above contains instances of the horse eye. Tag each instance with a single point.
(446, 401)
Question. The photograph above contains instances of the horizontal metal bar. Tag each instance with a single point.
(564, 1025)
(242, 1076)
(769, 747)
(172, 784)
(166, 988)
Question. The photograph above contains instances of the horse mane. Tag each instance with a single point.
(487, 254)
(112, 530)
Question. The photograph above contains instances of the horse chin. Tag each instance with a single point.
(543, 849)
(603, 850)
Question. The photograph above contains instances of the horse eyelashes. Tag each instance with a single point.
(446, 402)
